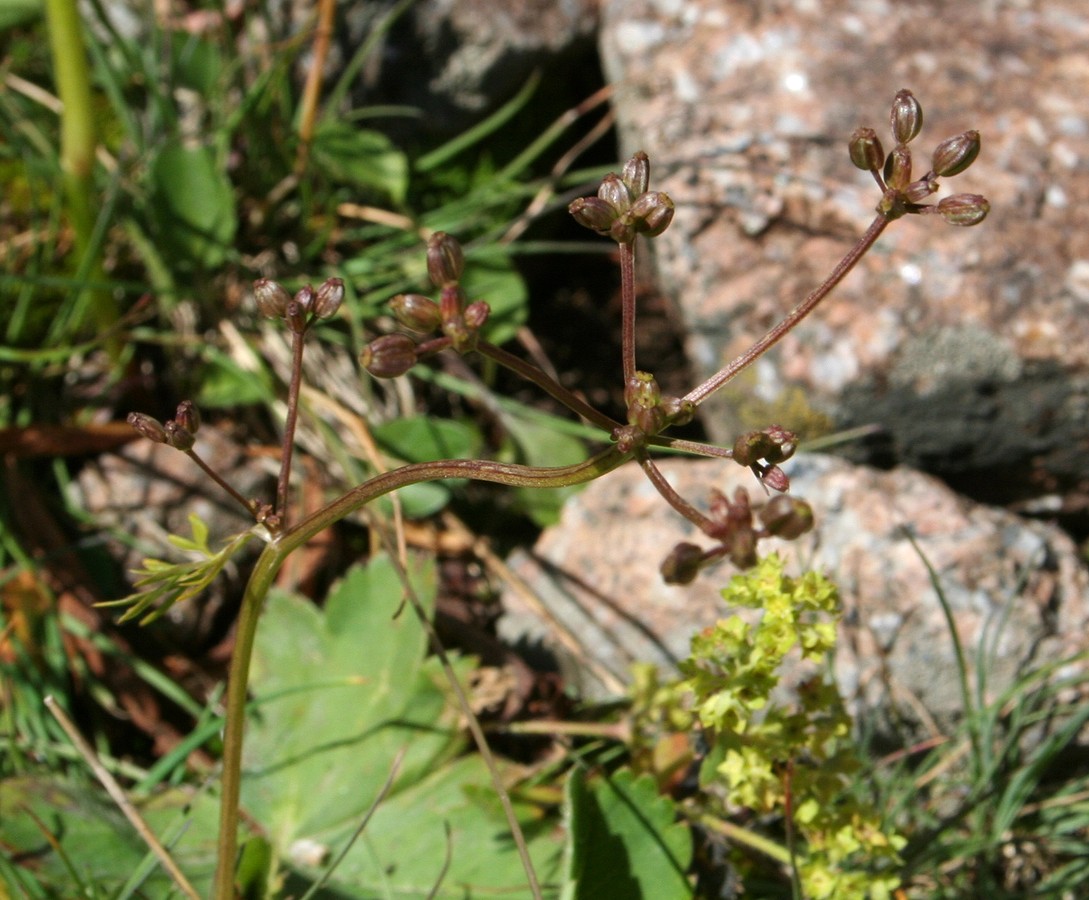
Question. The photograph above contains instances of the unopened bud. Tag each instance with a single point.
(752, 447)
(593, 213)
(953, 156)
(636, 174)
(774, 478)
(865, 150)
(784, 443)
(389, 356)
(147, 427)
(614, 192)
(787, 517)
(898, 168)
(417, 312)
(188, 416)
(906, 117)
(919, 190)
(642, 391)
(178, 436)
(445, 260)
(328, 298)
(964, 209)
(271, 297)
(476, 314)
(678, 411)
(651, 213)
(683, 564)
(304, 296)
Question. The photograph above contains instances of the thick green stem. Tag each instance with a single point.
(273, 557)
(78, 144)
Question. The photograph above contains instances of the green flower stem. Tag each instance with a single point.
(549, 385)
(749, 838)
(274, 556)
(698, 394)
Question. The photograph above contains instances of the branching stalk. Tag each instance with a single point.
(276, 553)
(698, 394)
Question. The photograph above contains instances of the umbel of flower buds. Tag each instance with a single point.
(623, 207)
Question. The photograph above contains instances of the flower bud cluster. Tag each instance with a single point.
(179, 432)
(649, 413)
(301, 310)
(761, 451)
(737, 528)
(901, 195)
(459, 320)
(623, 207)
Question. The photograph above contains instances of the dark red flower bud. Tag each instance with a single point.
(328, 298)
(304, 296)
(773, 478)
(898, 168)
(683, 564)
(865, 150)
(178, 436)
(906, 117)
(417, 312)
(964, 209)
(651, 213)
(389, 356)
(784, 443)
(188, 416)
(147, 427)
(271, 297)
(919, 190)
(953, 156)
(636, 174)
(593, 213)
(445, 260)
(678, 411)
(787, 517)
(476, 314)
(614, 192)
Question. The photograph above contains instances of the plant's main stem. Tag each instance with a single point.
(273, 557)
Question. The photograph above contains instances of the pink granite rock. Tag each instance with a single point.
(1017, 589)
(970, 347)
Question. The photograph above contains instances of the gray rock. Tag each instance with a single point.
(968, 347)
(1018, 590)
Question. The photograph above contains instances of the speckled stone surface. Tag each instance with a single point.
(1016, 588)
(970, 347)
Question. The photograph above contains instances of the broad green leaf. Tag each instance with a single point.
(192, 204)
(360, 157)
(98, 843)
(339, 693)
(19, 12)
(403, 851)
(623, 840)
(424, 438)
